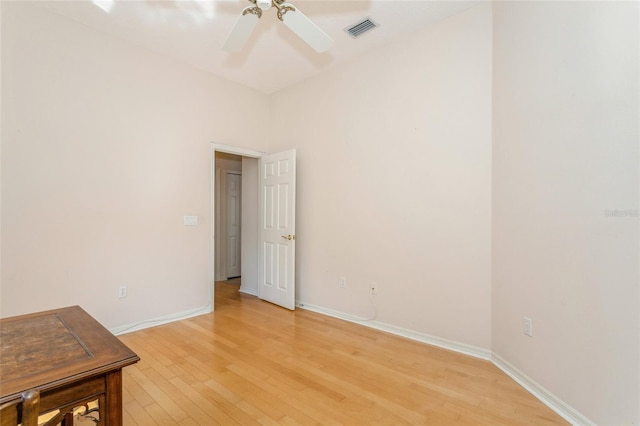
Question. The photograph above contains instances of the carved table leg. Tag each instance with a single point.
(113, 409)
(68, 419)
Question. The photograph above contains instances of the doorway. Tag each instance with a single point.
(268, 198)
(226, 163)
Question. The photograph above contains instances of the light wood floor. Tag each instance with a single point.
(251, 362)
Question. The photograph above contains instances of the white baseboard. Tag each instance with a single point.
(251, 291)
(563, 409)
(549, 399)
(161, 320)
(451, 345)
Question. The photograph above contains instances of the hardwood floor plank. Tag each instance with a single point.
(252, 363)
(287, 406)
(131, 385)
(258, 415)
(159, 415)
(137, 413)
(198, 401)
(152, 385)
(227, 407)
(252, 396)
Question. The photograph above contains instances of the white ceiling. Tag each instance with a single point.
(193, 31)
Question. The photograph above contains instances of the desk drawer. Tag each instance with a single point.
(74, 393)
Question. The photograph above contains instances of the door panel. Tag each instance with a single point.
(277, 229)
(234, 209)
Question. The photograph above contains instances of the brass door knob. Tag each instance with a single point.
(289, 237)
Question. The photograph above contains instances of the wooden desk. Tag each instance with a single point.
(67, 356)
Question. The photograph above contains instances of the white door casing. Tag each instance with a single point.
(233, 226)
(277, 244)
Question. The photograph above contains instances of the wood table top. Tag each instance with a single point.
(45, 350)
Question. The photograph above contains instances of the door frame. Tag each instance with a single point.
(229, 149)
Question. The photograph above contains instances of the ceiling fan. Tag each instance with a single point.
(290, 15)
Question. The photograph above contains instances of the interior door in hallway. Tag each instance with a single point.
(234, 220)
(277, 245)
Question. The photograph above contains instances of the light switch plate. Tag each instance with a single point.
(190, 220)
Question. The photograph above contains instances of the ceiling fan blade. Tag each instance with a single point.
(304, 28)
(242, 30)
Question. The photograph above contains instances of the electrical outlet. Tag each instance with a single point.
(527, 324)
(343, 282)
(122, 291)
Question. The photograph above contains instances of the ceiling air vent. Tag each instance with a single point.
(361, 27)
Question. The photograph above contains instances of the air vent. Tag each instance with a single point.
(361, 27)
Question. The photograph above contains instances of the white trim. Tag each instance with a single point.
(212, 226)
(563, 409)
(243, 152)
(129, 328)
(451, 345)
(249, 291)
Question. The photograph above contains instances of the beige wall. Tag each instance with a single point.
(394, 154)
(105, 149)
(565, 156)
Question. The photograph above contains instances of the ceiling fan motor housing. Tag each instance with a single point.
(263, 4)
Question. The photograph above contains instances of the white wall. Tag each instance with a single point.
(394, 155)
(105, 149)
(565, 157)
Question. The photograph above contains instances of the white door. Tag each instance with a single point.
(277, 244)
(234, 209)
